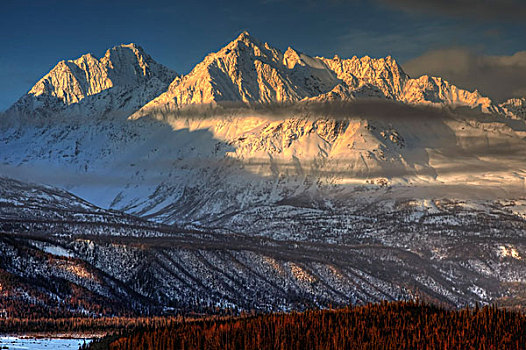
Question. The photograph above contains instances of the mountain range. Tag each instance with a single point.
(124, 79)
(245, 70)
(262, 179)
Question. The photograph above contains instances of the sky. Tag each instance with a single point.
(458, 39)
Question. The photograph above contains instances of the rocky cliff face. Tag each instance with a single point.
(124, 79)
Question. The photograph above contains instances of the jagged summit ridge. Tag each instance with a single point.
(250, 71)
(247, 70)
(123, 65)
(127, 81)
(122, 69)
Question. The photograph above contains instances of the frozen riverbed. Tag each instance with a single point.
(40, 343)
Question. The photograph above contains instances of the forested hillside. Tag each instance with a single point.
(399, 325)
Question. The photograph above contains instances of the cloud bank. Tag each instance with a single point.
(499, 77)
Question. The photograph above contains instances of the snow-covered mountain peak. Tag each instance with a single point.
(249, 48)
(124, 79)
(130, 64)
(249, 71)
(131, 46)
(245, 70)
(246, 38)
(67, 80)
(127, 53)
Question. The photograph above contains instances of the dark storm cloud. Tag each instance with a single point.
(499, 77)
(477, 9)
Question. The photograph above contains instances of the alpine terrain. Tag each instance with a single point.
(261, 179)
